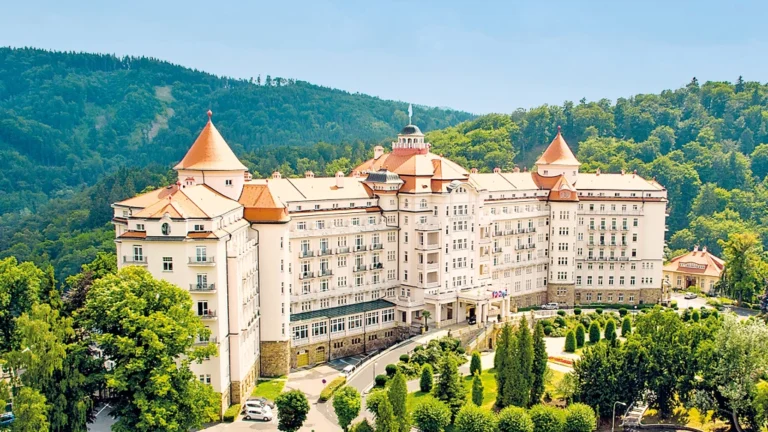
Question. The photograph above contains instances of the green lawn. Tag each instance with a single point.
(269, 389)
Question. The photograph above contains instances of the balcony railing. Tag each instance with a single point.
(428, 246)
(306, 254)
(359, 268)
(208, 314)
(135, 259)
(498, 249)
(360, 248)
(202, 260)
(306, 275)
(377, 246)
(202, 287)
(428, 227)
(377, 266)
(342, 250)
(210, 340)
(326, 272)
(324, 252)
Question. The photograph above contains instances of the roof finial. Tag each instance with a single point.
(410, 113)
(210, 114)
(558, 129)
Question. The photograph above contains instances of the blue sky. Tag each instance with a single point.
(475, 56)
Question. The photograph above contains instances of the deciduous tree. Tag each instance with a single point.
(292, 410)
(346, 405)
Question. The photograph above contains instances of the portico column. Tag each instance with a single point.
(437, 317)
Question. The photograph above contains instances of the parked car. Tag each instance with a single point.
(251, 404)
(472, 320)
(7, 418)
(263, 400)
(690, 296)
(551, 306)
(347, 371)
(263, 413)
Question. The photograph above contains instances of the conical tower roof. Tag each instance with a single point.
(210, 152)
(558, 153)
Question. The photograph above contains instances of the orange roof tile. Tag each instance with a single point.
(134, 234)
(210, 152)
(426, 164)
(563, 190)
(260, 204)
(558, 153)
(698, 262)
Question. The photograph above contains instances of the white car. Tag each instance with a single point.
(690, 296)
(551, 306)
(347, 371)
(252, 404)
(264, 413)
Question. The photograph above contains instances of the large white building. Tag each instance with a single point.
(291, 272)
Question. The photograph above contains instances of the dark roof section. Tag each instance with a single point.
(411, 130)
(383, 176)
(351, 309)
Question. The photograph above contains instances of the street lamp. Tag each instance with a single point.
(613, 419)
(374, 372)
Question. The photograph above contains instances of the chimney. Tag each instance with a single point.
(276, 175)
(473, 171)
(248, 176)
(378, 151)
(634, 173)
(623, 172)
(497, 170)
(516, 169)
(704, 249)
(597, 172)
(309, 174)
(525, 169)
(339, 179)
(696, 248)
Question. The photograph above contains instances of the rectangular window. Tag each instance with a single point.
(388, 315)
(371, 318)
(355, 321)
(319, 328)
(168, 264)
(300, 332)
(337, 325)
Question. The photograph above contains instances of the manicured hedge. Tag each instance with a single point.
(381, 380)
(331, 388)
(231, 413)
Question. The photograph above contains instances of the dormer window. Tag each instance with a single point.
(199, 227)
(126, 213)
(140, 227)
(546, 172)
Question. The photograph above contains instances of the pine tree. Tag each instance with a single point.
(449, 387)
(522, 373)
(475, 365)
(502, 363)
(610, 330)
(626, 326)
(594, 332)
(477, 390)
(427, 378)
(385, 419)
(570, 342)
(539, 363)
(580, 335)
(398, 393)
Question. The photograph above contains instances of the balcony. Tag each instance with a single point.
(428, 246)
(135, 260)
(509, 232)
(306, 275)
(360, 248)
(210, 340)
(377, 266)
(428, 227)
(442, 296)
(208, 315)
(202, 260)
(325, 272)
(342, 250)
(498, 249)
(498, 233)
(202, 288)
(306, 254)
(377, 246)
(432, 284)
(359, 268)
(485, 239)
(324, 252)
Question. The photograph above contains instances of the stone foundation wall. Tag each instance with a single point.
(241, 390)
(527, 300)
(345, 346)
(275, 356)
(650, 295)
(564, 299)
(644, 295)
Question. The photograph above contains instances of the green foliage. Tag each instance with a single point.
(477, 389)
(594, 332)
(580, 335)
(404, 358)
(346, 405)
(381, 380)
(391, 369)
(362, 426)
(626, 326)
(599, 311)
(472, 418)
(331, 388)
(622, 312)
(485, 143)
(695, 316)
(561, 313)
(570, 342)
(147, 327)
(610, 330)
(475, 365)
(579, 418)
(539, 367)
(577, 311)
(745, 270)
(31, 410)
(427, 378)
(374, 399)
(431, 415)
(231, 413)
(514, 419)
(502, 362)
(449, 387)
(21, 286)
(398, 395)
(385, 417)
(292, 410)
(547, 418)
(522, 377)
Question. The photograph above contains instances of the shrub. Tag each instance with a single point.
(599, 311)
(626, 327)
(391, 370)
(622, 312)
(410, 370)
(594, 332)
(431, 415)
(560, 321)
(514, 419)
(570, 342)
(331, 388)
(579, 418)
(705, 313)
(476, 365)
(547, 418)
(460, 350)
(577, 311)
(362, 426)
(404, 358)
(580, 335)
(548, 330)
(427, 378)
(586, 321)
(610, 330)
(695, 316)
(673, 305)
(231, 413)
(477, 390)
(475, 419)
(561, 313)
(381, 380)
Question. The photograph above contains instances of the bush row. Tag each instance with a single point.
(331, 388)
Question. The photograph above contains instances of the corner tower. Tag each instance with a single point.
(211, 162)
(558, 159)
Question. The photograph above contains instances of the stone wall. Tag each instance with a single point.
(567, 299)
(650, 295)
(345, 346)
(240, 390)
(275, 356)
(527, 300)
(610, 296)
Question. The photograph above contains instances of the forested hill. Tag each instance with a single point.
(66, 119)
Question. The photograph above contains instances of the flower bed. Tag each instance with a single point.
(561, 361)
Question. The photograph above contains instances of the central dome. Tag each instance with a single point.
(411, 130)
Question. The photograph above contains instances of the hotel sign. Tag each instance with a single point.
(692, 265)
